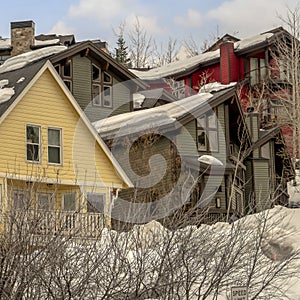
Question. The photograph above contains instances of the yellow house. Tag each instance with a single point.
(52, 163)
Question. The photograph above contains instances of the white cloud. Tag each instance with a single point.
(192, 18)
(100, 9)
(149, 23)
(248, 17)
(62, 28)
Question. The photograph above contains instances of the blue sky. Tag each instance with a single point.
(95, 19)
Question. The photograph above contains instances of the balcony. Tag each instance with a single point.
(54, 223)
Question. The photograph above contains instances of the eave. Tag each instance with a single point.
(90, 50)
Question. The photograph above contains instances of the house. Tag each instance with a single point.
(251, 62)
(23, 39)
(190, 155)
(55, 171)
(100, 85)
(199, 156)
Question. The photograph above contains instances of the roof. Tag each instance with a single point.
(21, 81)
(90, 49)
(187, 66)
(151, 97)
(166, 117)
(225, 37)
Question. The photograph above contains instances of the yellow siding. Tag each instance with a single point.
(45, 104)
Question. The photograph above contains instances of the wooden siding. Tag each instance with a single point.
(46, 105)
(186, 140)
(82, 80)
(82, 91)
(262, 184)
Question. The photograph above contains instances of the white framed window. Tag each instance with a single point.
(54, 146)
(207, 133)
(95, 202)
(33, 143)
(107, 78)
(67, 68)
(45, 201)
(96, 94)
(107, 96)
(69, 201)
(20, 199)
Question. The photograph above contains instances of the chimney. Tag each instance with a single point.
(252, 120)
(22, 36)
(229, 66)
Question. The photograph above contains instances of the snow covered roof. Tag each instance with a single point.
(177, 66)
(14, 82)
(5, 43)
(164, 117)
(215, 87)
(189, 63)
(144, 120)
(20, 61)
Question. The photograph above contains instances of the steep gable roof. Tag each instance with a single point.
(23, 79)
(89, 49)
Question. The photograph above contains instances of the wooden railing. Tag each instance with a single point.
(72, 224)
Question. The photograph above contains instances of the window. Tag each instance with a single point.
(45, 201)
(54, 145)
(95, 202)
(33, 143)
(106, 78)
(20, 199)
(101, 89)
(107, 96)
(67, 68)
(69, 202)
(258, 70)
(96, 94)
(207, 133)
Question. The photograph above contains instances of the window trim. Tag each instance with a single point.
(63, 203)
(99, 194)
(102, 84)
(204, 126)
(110, 96)
(39, 144)
(51, 197)
(55, 146)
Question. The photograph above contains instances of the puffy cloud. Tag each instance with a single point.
(149, 23)
(100, 9)
(246, 17)
(61, 28)
(193, 18)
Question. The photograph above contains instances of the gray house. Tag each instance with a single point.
(199, 154)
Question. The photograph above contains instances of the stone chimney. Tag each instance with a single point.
(22, 36)
(229, 65)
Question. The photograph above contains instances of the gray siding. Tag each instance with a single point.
(121, 103)
(262, 184)
(82, 91)
(186, 140)
(82, 80)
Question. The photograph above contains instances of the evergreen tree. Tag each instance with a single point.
(121, 54)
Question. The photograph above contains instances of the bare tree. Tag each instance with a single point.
(286, 66)
(140, 45)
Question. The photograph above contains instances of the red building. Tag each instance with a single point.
(249, 62)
